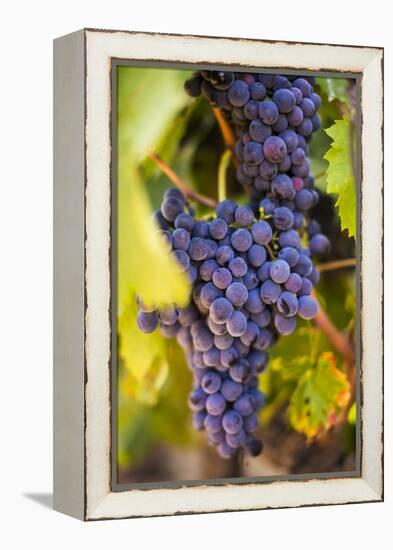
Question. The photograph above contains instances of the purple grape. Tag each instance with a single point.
(198, 249)
(237, 323)
(290, 255)
(147, 322)
(256, 255)
(241, 240)
(284, 325)
(287, 304)
(254, 303)
(303, 266)
(203, 339)
(222, 278)
(253, 153)
(226, 210)
(209, 293)
(229, 356)
(250, 279)
(245, 404)
(307, 307)
(211, 357)
(198, 420)
(207, 269)
(215, 403)
(238, 93)
(261, 232)
(282, 186)
(251, 333)
(225, 451)
(319, 245)
(237, 294)
(244, 216)
(213, 423)
(221, 310)
(250, 422)
(270, 291)
(268, 112)
(283, 218)
(238, 266)
(274, 149)
(295, 117)
(230, 390)
(259, 131)
(235, 440)
(211, 382)
(258, 91)
(197, 400)
(306, 288)
(223, 341)
(285, 100)
(294, 283)
(232, 422)
(240, 371)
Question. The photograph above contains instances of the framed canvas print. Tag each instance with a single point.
(218, 274)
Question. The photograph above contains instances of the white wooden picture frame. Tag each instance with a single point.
(82, 255)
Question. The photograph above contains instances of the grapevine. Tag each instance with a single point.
(250, 266)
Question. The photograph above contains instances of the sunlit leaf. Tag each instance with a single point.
(334, 88)
(320, 395)
(340, 177)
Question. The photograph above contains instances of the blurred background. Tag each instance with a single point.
(156, 441)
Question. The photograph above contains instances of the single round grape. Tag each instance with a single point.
(264, 339)
(287, 304)
(197, 400)
(211, 357)
(221, 310)
(295, 117)
(184, 221)
(268, 112)
(281, 124)
(188, 315)
(259, 131)
(244, 216)
(261, 232)
(207, 269)
(215, 403)
(211, 382)
(291, 140)
(213, 423)
(222, 278)
(241, 240)
(218, 228)
(284, 325)
(147, 322)
(267, 79)
(182, 259)
(217, 330)
(303, 266)
(251, 334)
(315, 98)
(223, 341)
(319, 245)
(306, 288)
(254, 303)
(314, 276)
(203, 339)
(180, 239)
(274, 149)
(237, 294)
(232, 422)
(200, 229)
(240, 371)
(307, 307)
(305, 128)
(224, 254)
(258, 360)
(237, 323)
(258, 91)
(256, 255)
(209, 293)
(174, 193)
(281, 82)
(307, 106)
(298, 157)
(279, 271)
(282, 186)
(250, 110)
(298, 95)
(198, 249)
(290, 255)
(268, 170)
(253, 153)
(226, 210)
(238, 266)
(283, 218)
(238, 93)
(294, 282)
(285, 100)
(250, 279)
(231, 390)
(171, 208)
(222, 80)
(289, 238)
(245, 404)
(270, 291)
(229, 356)
(263, 318)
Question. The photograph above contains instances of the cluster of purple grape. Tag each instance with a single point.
(243, 298)
(273, 117)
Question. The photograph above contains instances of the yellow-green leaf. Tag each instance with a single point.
(320, 395)
(340, 176)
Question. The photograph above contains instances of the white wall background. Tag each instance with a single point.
(26, 270)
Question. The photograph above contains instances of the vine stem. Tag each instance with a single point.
(226, 130)
(337, 264)
(180, 183)
(222, 173)
(339, 341)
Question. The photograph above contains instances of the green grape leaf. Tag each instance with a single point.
(340, 178)
(319, 396)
